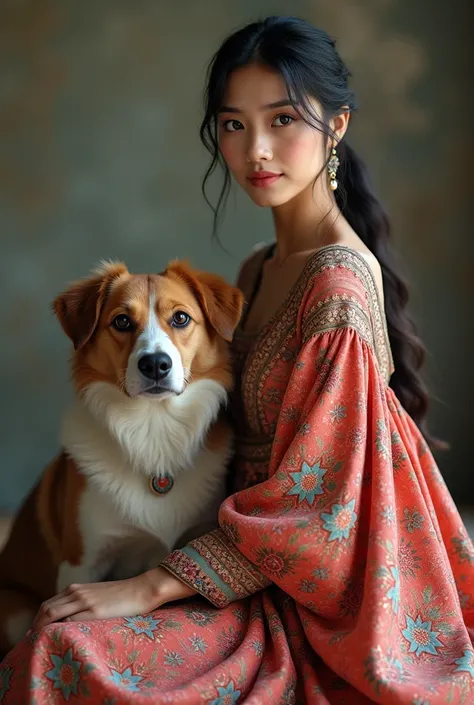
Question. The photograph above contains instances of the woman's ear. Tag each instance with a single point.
(339, 123)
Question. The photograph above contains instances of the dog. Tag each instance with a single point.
(146, 444)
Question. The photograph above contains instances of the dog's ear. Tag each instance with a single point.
(78, 308)
(221, 302)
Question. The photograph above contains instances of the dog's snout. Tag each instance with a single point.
(155, 366)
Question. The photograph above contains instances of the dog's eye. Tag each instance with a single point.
(180, 319)
(122, 322)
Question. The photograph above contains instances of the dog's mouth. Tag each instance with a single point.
(157, 390)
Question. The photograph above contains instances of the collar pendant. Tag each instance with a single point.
(161, 484)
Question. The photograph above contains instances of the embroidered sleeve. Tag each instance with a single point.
(214, 567)
(348, 299)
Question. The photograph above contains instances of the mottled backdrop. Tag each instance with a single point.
(99, 157)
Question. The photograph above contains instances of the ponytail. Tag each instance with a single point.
(364, 212)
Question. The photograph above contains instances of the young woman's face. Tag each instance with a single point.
(270, 151)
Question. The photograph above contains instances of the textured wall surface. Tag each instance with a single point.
(99, 157)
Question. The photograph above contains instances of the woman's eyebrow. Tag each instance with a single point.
(278, 104)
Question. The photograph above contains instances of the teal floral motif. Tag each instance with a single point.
(240, 615)
(321, 573)
(126, 680)
(464, 598)
(143, 625)
(173, 658)
(308, 482)
(198, 643)
(419, 701)
(388, 515)
(257, 646)
(5, 676)
(340, 521)
(65, 674)
(422, 639)
(413, 520)
(381, 441)
(395, 437)
(227, 696)
(307, 586)
(394, 593)
(399, 456)
(338, 413)
(464, 549)
(465, 663)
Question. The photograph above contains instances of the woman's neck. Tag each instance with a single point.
(305, 223)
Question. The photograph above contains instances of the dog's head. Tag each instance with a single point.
(150, 334)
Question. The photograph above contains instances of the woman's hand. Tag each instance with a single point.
(118, 598)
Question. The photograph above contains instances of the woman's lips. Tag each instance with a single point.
(263, 179)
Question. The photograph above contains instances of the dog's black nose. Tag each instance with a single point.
(155, 366)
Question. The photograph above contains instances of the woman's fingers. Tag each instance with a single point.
(55, 610)
(74, 599)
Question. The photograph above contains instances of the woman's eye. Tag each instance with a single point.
(122, 322)
(284, 120)
(180, 319)
(232, 125)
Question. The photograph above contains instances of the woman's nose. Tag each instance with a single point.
(259, 148)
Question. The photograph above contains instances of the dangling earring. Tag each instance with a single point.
(333, 165)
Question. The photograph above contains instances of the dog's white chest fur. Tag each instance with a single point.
(118, 443)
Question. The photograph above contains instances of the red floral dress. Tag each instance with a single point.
(341, 572)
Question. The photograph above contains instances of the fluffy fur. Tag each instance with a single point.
(93, 515)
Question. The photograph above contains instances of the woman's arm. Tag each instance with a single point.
(118, 598)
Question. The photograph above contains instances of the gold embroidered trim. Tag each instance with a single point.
(275, 342)
(338, 311)
(213, 566)
(334, 256)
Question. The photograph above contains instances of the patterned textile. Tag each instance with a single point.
(341, 572)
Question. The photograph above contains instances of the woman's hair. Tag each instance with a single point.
(307, 60)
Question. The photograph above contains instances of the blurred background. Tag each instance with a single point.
(100, 104)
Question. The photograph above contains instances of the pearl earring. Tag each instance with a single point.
(333, 165)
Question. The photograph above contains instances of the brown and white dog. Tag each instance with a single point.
(145, 445)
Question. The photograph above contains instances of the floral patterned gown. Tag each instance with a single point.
(341, 572)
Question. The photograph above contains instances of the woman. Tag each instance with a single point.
(341, 571)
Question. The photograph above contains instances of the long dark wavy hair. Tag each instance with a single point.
(307, 59)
